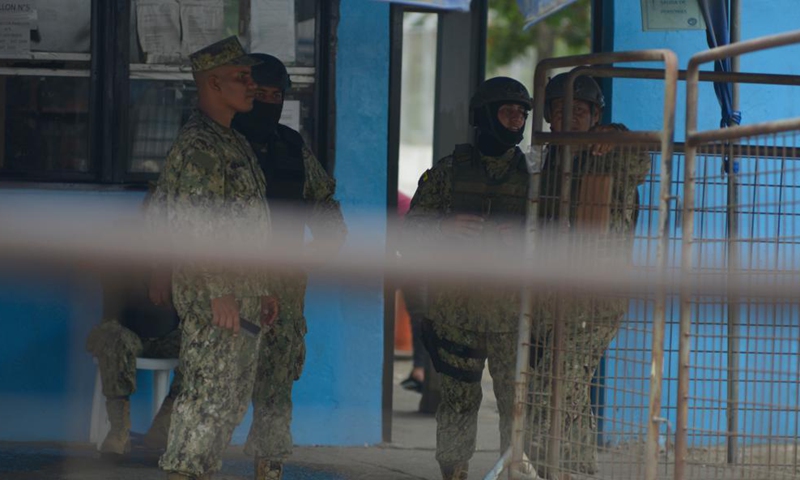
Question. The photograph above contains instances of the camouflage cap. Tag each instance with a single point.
(225, 52)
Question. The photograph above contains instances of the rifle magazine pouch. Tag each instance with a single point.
(435, 344)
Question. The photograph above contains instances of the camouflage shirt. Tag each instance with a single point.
(212, 186)
(325, 218)
(480, 309)
(322, 214)
(432, 201)
(628, 168)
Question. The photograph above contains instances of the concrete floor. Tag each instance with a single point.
(409, 456)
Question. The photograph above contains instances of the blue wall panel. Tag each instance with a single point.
(638, 103)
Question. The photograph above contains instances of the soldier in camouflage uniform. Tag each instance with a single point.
(212, 186)
(133, 327)
(300, 192)
(591, 323)
(476, 194)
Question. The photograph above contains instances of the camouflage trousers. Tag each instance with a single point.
(116, 348)
(457, 415)
(280, 364)
(590, 328)
(218, 370)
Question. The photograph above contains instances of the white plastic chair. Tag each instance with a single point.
(161, 368)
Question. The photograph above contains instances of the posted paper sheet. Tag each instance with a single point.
(203, 23)
(159, 27)
(291, 114)
(272, 28)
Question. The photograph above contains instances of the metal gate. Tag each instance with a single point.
(564, 333)
(738, 410)
(702, 378)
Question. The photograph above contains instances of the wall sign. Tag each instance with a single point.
(671, 15)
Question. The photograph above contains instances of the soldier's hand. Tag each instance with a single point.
(160, 287)
(270, 308)
(226, 313)
(603, 148)
(462, 225)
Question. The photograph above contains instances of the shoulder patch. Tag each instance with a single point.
(202, 160)
(425, 176)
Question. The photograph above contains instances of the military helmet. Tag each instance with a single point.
(270, 72)
(586, 89)
(499, 90)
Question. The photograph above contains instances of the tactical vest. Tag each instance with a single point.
(474, 192)
(281, 160)
(550, 188)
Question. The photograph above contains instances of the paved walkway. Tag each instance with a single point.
(409, 456)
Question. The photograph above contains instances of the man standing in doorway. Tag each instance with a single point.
(300, 194)
(211, 186)
(476, 196)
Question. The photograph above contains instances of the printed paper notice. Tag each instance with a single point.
(159, 27)
(272, 28)
(203, 23)
(15, 26)
(15, 37)
(672, 15)
(291, 114)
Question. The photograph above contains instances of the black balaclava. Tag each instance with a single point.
(261, 123)
(493, 138)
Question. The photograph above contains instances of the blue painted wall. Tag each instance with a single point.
(47, 378)
(638, 104)
(338, 399)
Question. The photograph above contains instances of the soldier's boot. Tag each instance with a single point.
(268, 469)
(156, 436)
(458, 471)
(118, 440)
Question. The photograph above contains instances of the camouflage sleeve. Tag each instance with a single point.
(154, 208)
(431, 202)
(325, 219)
(633, 164)
(639, 166)
(197, 210)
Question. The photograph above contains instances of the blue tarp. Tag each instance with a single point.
(535, 10)
(715, 13)
(462, 5)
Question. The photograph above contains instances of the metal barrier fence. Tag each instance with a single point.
(692, 387)
(592, 200)
(739, 378)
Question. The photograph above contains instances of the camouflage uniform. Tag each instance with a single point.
(283, 350)
(591, 322)
(469, 325)
(211, 185)
(116, 347)
(132, 327)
